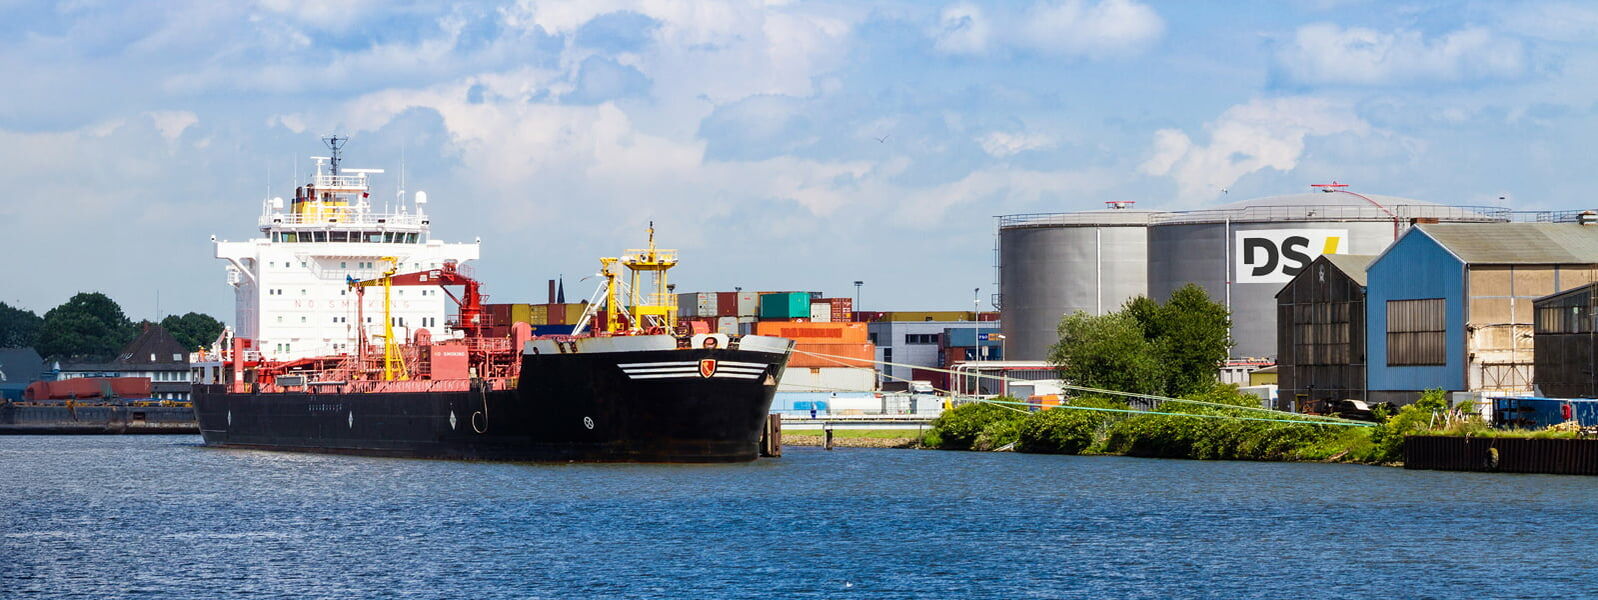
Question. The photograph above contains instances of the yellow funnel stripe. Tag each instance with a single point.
(1331, 245)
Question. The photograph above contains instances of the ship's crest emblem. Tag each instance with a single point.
(707, 367)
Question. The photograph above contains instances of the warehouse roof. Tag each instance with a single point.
(1352, 265)
(1517, 243)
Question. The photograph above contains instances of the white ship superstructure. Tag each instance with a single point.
(291, 287)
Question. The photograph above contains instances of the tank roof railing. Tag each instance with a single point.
(1548, 216)
(1270, 213)
(1100, 217)
(1336, 212)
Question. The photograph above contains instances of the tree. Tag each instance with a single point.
(1108, 352)
(192, 329)
(19, 328)
(1192, 333)
(1171, 349)
(88, 324)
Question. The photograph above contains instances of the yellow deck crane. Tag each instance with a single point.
(393, 360)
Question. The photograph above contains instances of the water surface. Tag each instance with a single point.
(161, 517)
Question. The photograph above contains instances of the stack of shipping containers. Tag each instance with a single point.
(827, 357)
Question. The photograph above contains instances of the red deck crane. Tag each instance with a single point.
(471, 318)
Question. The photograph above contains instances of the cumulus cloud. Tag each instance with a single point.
(1264, 133)
(1326, 53)
(1001, 144)
(1085, 28)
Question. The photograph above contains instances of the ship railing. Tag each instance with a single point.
(325, 180)
(345, 219)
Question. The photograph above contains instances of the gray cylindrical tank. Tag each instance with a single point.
(1054, 265)
(1243, 253)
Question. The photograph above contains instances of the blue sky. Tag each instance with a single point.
(132, 131)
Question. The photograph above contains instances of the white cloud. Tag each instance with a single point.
(1080, 28)
(1087, 28)
(1264, 133)
(172, 122)
(1000, 144)
(1326, 53)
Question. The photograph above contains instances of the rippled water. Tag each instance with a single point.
(158, 516)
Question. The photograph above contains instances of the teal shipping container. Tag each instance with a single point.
(785, 305)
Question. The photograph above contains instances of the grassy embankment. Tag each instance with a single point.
(1213, 430)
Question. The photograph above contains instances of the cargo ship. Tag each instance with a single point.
(308, 369)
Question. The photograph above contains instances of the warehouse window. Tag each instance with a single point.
(1415, 332)
(1563, 319)
(921, 338)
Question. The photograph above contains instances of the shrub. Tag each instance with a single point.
(959, 427)
(1388, 436)
(999, 434)
(1066, 430)
(1175, 436)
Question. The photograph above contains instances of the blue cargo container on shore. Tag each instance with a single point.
(785, 305)
(1538, 413)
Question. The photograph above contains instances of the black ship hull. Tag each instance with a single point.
(633, 406)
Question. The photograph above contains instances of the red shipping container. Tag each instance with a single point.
(939, 379)
(814, 332)
(88, 387)
(726, 304)
(988, 316)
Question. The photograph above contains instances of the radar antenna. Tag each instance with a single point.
(335, 143)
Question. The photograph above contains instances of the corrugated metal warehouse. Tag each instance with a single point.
(1565, 343)
(1320, 324)
(1449, 305)
(1241, 253)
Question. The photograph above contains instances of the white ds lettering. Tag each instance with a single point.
(1276, 255)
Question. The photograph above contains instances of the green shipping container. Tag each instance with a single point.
(785, 305)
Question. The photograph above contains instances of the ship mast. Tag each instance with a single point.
(657, 310)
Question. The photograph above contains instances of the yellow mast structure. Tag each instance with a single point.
(393, 361)
(658, 307)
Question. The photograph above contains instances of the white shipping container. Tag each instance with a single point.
(828, 379)
(727, 325)
(705, 303)
(820, 312)
(748, 304)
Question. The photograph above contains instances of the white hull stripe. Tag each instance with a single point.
(694, 375)
(691, 363)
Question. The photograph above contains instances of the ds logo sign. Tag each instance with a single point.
(1276, 255)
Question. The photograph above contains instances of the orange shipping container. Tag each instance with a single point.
(863, 354)
(836, 333)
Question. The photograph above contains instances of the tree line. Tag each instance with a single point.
(92, 325)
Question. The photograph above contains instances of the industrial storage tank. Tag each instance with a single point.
(1051, 265)
(1243, 253)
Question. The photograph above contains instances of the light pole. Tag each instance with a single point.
(976, 303)
(857, 285)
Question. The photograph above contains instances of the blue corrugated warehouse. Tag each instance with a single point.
(1449, 305)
